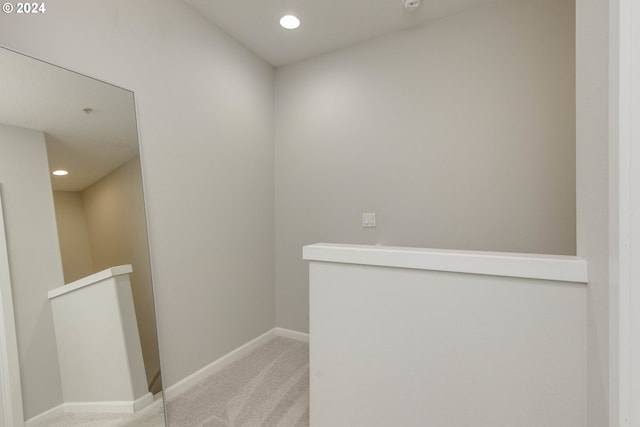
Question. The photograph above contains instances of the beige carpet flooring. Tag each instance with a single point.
(269, 387)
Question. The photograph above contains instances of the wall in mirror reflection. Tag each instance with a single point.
(34, 262)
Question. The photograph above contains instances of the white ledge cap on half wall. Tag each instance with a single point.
(90, 280)
(530, 266)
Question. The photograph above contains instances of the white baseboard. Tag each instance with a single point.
(122, 407)
(117, 407)
(143, 402)
(288, 333)
(52, 411)
(229, 358)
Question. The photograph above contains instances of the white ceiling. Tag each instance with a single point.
(327, 25)
(37, 95)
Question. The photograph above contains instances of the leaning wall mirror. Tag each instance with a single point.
(77, 247)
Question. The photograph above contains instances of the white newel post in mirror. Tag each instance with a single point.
(99, 345)
(10, 390)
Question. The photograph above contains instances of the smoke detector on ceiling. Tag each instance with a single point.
(411, 5)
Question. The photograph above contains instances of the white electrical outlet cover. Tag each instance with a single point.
(369, 219)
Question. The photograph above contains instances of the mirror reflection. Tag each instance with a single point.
(77, 248)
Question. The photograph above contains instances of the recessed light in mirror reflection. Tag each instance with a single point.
(289, 22)
(60, 172)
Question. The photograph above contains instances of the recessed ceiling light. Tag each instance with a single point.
(60, 172)
(289, 22)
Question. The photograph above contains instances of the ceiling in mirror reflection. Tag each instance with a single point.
(89, 144)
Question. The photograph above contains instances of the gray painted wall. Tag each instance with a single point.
(458, 134)
(205, 107)
(34, 260)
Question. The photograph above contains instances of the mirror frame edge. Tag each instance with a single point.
(154, 290)
(11, 387)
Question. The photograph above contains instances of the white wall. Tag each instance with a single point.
(34, 260)
(73, 235)
(458, 134)
(205, 108)
(624, 223)
(407, 347)
(592, 180)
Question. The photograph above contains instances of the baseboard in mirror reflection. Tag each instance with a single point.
(109, 407)
(115, 411)
(224, 361)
